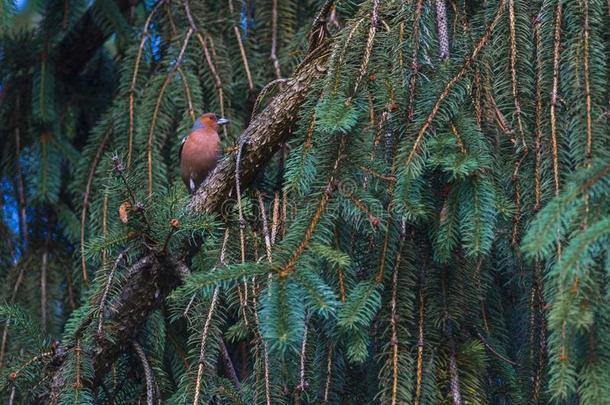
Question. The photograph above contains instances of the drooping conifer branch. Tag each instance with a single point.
(134, 78)
(242, 49)
(86, 197)
(587, 79)
(419, 373)
(155, 115)
(315, 219)
(555, 94)
(329, 373)
(394, 318)
(465, 67)
(187, 94)
(263, 343)
(203, 347)
(414, 61)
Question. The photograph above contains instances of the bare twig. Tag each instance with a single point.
(414, 63)
(102, 304)
(134, 78)
(495, 353)
(265, 352)
(302, 383)
(43, 279)
(554, 94)
(242, 49)
(276, 63)
(265, 226)
(329, 374)
(394, 315)
(153, 120)
(202, 346)
(148, 374)
(87, 195)
(19, 180)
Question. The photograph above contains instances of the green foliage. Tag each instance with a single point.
(434, 230)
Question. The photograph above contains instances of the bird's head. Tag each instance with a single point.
(209, 120)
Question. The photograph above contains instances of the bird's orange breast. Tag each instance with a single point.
(199, 156)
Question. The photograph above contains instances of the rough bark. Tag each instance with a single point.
(154, 276)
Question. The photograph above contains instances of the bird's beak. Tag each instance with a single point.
(222, 121)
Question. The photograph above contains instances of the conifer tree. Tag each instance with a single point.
(413, 204)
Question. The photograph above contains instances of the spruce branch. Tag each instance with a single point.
(555, 94)
(329, 373)
(155, 115)
(242, 49)
(538, 115)
(102, 304)
(394, 315)
(43, 278)
(420, 341)
(86, 197)
(368, 49)
(414, 57)
(134, 78)
(187, 94)
(463, 70)
(263, 342)
(202, 346)
(329, 190)
(138, 207)
(520, 127)
(587, 81)
(302, 386)
(242, 225)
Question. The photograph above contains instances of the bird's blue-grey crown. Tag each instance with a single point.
(200, 125)
(197, 125)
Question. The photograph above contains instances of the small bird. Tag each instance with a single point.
(199, 150)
